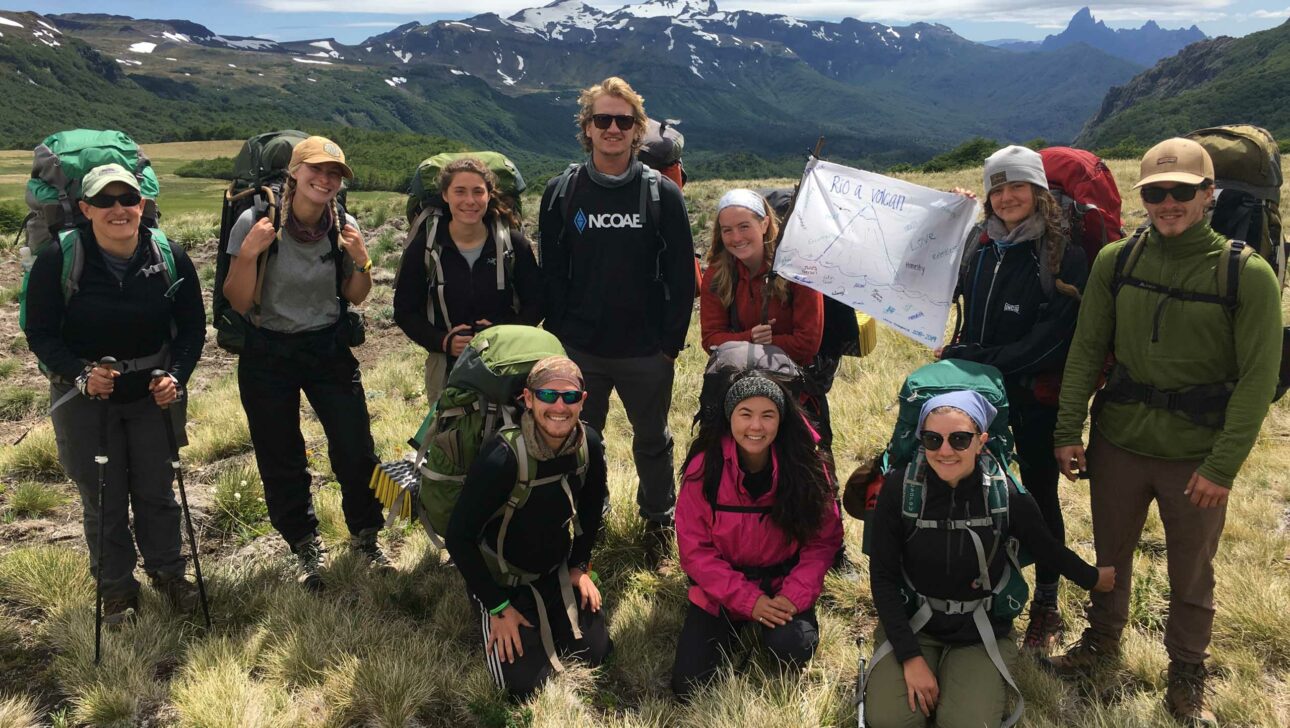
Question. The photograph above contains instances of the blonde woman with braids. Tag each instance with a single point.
(741, 299)
(317, 263)
(442, 310)
(1021, 296)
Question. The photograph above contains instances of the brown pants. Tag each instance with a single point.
(1122, 487)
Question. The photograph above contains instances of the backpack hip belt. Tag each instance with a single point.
(765, 575)
(1204, 405)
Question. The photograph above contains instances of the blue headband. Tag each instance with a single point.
(970, 403)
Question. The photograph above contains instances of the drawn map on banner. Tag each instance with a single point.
(883, 246)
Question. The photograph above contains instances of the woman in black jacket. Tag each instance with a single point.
(478, 270)
(945, 577)
(1021, 295)
(114, 288)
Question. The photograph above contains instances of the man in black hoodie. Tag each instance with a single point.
(618, 269)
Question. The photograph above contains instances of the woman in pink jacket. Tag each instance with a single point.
(757, 528)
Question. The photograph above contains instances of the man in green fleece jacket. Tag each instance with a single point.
(1182, 409)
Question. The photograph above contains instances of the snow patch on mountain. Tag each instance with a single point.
(142, 47)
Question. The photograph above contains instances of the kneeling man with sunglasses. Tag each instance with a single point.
(522, 533)
(1196, 366)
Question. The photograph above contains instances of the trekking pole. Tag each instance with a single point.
(860, 685)
(168, 422)
(102, 459)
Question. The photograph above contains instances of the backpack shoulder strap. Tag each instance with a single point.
(563, 196)
(434, 272)
(1127, 259)
(1230, 265)
(69, 242)
(502, 241)
(164, 251)
(652, 210)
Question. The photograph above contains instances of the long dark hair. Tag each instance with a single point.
(803, 489)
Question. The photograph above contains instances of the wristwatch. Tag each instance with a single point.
(364, 268)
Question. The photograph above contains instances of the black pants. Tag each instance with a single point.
(706, 640)
(1032, 427)
(528, 673)
(270, 383)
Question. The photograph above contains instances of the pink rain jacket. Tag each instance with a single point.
(712, 542)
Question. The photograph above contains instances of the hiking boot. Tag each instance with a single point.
(1091, 653)
(177, 590)
(366, 543)
(310, 556)
(120, 611)
(1185, 694)
(658, 542)
(1045, 630)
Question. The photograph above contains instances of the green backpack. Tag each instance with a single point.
(425, 208)
(57, 167)
(1247, 172)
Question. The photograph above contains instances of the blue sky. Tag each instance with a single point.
(974, 19)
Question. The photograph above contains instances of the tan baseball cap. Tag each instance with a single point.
(1176, 160)
(103, 175)
(319, 150)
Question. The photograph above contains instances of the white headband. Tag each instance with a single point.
(740, 197)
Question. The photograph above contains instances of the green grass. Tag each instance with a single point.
(238, 502)
(34, 500)
(8, 366)
(18, 402)
(36, 457)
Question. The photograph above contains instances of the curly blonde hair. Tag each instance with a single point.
(612, 86)
(723, 263)
(1056, 234)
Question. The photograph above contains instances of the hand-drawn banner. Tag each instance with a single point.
(883, 246)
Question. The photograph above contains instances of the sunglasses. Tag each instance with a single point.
(958, 440)
(570, 396)
(1181, 193)
(602, 121)
(104, 201)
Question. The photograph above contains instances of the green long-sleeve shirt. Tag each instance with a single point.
(1198, 343)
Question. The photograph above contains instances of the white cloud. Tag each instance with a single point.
(1272, 14)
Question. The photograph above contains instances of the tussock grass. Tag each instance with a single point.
(191, 229)
(46, 578)
(19, 711)
(217, 689)
(217, 423)
(9, 365)
(34, 500)
(36, 457)
(18, 402)
(10, 294)
(238, 500)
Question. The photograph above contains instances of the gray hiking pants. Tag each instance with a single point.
(139, 479)
(644, 385)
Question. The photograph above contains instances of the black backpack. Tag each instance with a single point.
(259, 178)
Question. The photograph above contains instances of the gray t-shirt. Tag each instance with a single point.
(299, 292)
(471, 255)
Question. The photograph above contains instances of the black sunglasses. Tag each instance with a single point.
(105, 201)
(570, 396)
(602, 121)
(958, 440)
(1182, 193)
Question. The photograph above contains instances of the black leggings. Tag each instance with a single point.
(706, 640)
(1032, 427)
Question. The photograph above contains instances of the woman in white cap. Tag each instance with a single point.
(741, 298)
(1021, 295)
(112, 287)
(312, 269)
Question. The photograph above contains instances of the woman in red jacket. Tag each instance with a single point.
(741, 299)
(757, 529)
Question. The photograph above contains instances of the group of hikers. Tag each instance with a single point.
(757, 522)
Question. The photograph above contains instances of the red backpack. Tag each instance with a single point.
(1084, 187)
